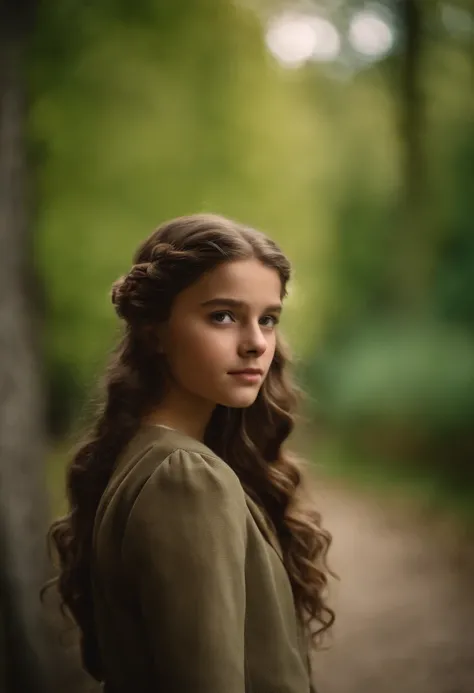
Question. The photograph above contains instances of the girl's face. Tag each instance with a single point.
(223, 323)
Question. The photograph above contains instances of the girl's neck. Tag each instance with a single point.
(186, 427)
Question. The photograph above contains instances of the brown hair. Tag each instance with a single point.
(249, 440)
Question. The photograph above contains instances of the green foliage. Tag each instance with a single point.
(422, 374)
(140, 112)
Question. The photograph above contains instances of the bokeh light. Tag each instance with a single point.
(370, 35)
(294, 39)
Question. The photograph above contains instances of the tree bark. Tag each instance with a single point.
(23, 508)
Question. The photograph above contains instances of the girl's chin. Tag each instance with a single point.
(240, 400)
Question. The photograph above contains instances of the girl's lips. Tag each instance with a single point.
(247, 370)
(248, 376)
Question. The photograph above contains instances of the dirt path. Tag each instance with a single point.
(405, 601)
(405, 604)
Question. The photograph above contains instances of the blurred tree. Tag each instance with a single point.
(24, 654)
(411, 280)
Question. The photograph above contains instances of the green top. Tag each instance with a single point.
(190, 590)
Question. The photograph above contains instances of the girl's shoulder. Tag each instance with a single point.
(170, 454)
(152, 444)
(163, 459)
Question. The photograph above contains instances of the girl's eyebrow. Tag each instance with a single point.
(276, 308)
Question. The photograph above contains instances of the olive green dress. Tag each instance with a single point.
(190, 591)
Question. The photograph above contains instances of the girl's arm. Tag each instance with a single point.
(184, 552)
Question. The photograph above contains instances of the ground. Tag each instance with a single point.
(405, 600)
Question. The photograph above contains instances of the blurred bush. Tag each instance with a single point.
(403, 393)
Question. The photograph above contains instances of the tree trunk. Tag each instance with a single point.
(23, 515)
(416, 253)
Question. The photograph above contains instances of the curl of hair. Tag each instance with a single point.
(250, 440)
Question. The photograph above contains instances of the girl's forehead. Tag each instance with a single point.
(247, 277)
(248, 281)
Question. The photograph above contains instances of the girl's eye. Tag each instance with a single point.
(274, 320)
(217, 317)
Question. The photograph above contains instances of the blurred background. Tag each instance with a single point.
(345, 130)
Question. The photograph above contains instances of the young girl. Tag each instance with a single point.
(188, 559)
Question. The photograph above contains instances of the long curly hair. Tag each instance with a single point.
(250, 440)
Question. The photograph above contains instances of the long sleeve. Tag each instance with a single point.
(184, 552)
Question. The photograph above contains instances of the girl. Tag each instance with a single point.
(187, 558)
